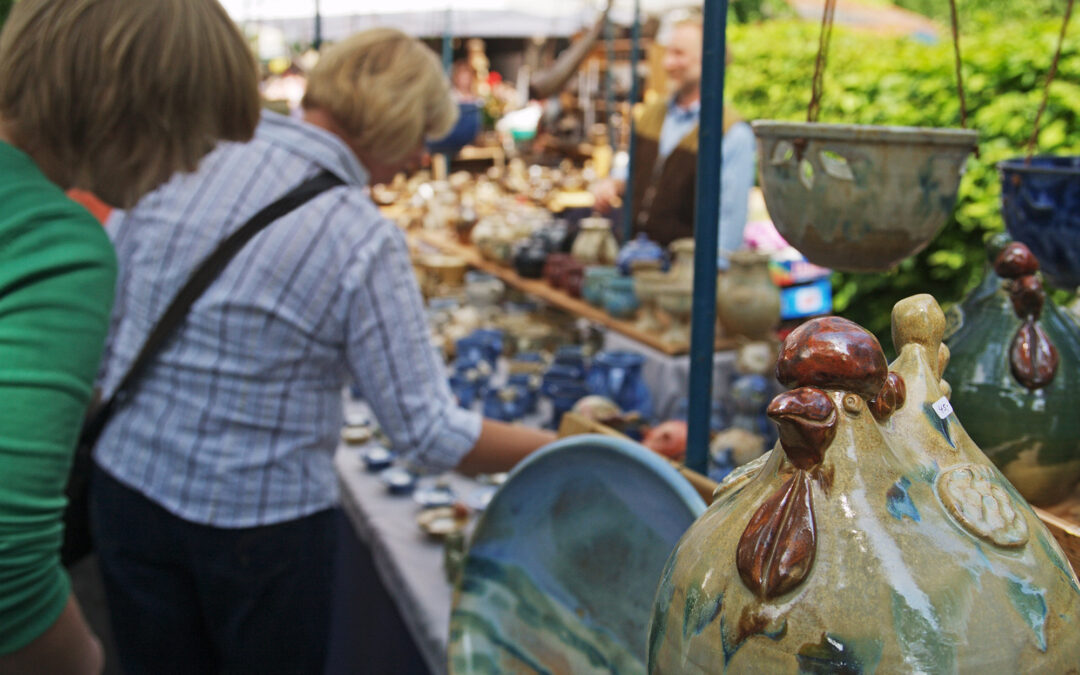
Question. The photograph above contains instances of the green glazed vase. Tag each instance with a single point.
(1032, 435)
(874, 537)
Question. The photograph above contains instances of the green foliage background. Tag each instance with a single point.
(5, 9)
(872, 79)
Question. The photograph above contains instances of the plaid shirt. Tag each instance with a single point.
(235, 423)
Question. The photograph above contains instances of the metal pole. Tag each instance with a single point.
(706, 221)
(609, 81)
(317, 44)
(628, 193)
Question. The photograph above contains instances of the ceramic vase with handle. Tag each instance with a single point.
(595, 244)
(747, 300)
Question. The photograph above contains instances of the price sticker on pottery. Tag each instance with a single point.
(942, 407)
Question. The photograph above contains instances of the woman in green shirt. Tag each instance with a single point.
(110, 96)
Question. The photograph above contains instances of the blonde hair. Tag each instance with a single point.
(385, 89)
(114, 96)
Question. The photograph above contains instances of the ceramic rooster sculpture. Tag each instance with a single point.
(874, 537)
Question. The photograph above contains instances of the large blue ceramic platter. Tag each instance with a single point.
(564, 564)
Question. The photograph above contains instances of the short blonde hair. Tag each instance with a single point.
(385, 89)
(116, 95)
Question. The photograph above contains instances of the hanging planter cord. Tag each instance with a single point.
(1046, 88)
(819, 64)
(959, 72)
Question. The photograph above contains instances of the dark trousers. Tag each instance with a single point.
(187, 598)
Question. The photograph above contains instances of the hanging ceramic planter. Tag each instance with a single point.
(859, 198)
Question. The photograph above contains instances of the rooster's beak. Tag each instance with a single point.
(807, 421)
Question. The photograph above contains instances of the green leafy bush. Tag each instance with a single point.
(872, 79)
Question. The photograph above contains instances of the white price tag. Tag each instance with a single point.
(942, 407)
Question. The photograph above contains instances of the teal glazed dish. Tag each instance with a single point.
(564, 563)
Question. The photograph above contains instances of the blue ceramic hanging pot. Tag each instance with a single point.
(1041, 207)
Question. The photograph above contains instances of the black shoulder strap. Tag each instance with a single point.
(204, 275)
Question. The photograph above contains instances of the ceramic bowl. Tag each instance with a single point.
(859, 198)
(565, 561)
(1040, 203)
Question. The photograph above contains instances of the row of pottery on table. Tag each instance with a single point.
(614, 375)
(1015, 371)
(876, 536)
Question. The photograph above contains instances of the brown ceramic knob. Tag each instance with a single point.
(1015, 261)
(1027, 297)
(833, 353)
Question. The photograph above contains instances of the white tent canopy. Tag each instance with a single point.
(434, 18)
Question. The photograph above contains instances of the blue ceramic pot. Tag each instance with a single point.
(479, 346)
(529, 386)
(505, 405)
(1040, 203)
(571, 356)
(617, 375)
(640, 249)
(620, 301)
(596, 277)
(564, 394)
(465, 389)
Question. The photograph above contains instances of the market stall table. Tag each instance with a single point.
(409, 563)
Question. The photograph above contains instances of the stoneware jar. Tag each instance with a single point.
(747, 300)
(595, 244)
(682, 266)
(619, 298)
(596, 277)
(1015, 372)
(874, 537)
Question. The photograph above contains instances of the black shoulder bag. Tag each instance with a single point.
(77, 539)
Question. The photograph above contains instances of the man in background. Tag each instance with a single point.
(665, 160)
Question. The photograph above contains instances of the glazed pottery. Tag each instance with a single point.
(562, 566)
(646, 287)
(1040, 202)
(528, 385)
(553, 268)
(506, 405)
(595, 244)
(875, 536)
(750, 432)
(573, 279)
(667, 439)
(596, 277)
(596, 408)
(619, 298)
(641, 249)
(1016, 402)
(484, 291)
(617, 375)
(682, 266)
(859, 198)
(564, 393)
(747, 300)
(529, 259)
(676, 300)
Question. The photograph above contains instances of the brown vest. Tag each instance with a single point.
(664, 194)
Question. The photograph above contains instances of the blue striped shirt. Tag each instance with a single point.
(236, 422)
